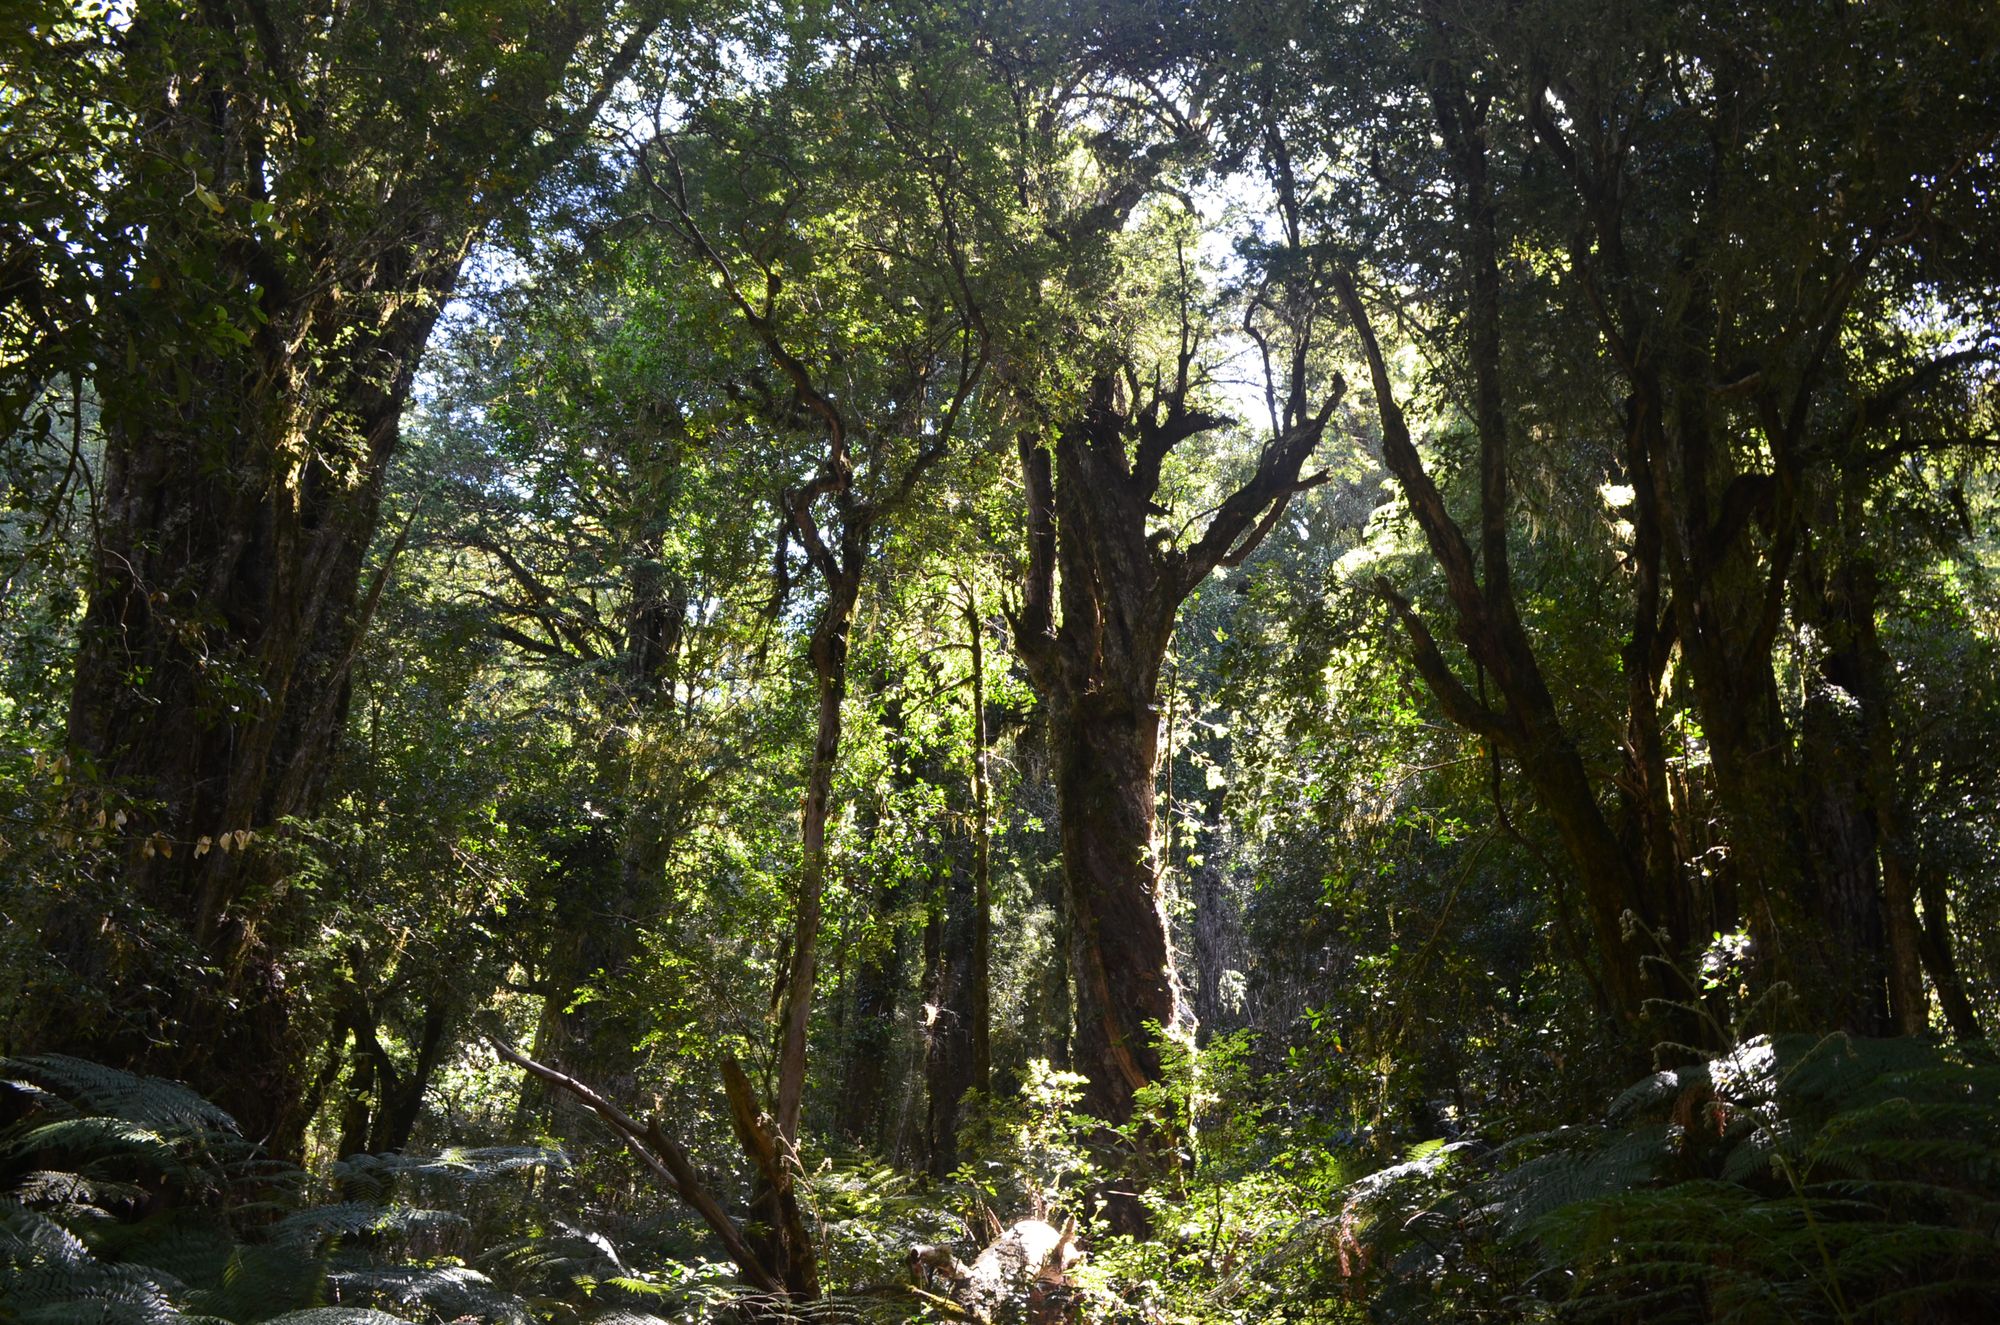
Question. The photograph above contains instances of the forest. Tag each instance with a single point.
(1047, 661)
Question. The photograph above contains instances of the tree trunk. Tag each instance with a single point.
(1098, 670)
(253, 362)
(1126, 992)
(1852, 991)
(981, 994)
(880, 981)
(614, 889)
(211, 684)
(1934, 946)
(402, 1107)
(951, 1066)
(829, 663)
(1220, 948)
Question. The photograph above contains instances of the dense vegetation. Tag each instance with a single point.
(1043, 661)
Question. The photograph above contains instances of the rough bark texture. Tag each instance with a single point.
(211, 685)
(1096, 665)
(252, 374)
(1127, 991)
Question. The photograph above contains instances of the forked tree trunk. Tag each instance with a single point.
(1097, 668)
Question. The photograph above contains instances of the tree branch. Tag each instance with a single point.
(661, 1154)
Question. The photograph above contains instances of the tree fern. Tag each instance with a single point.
(447, 1292)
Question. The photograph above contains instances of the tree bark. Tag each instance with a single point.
(829, 662)
(881, 979)
(981, 976)
(253, 361)
(211, 684)
(1127, 993)
(1097, 668)
(1528, 724)
(951, 999)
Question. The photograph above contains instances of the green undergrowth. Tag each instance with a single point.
(1792, 1179)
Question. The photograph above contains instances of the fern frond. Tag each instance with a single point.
(448, 1290)
(86, 1087)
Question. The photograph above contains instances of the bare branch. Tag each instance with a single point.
(661, 1154)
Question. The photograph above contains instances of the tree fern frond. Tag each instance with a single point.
(448, 1290)
(94, 1088)
(29, 1235)
(311, 1226)
(375, 1175)
(73, 1192)
(1796, 1179)
(96, 1139)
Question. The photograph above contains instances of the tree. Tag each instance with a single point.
(294, 235)
(1096, 551)
(1627, 180)
(587, 470)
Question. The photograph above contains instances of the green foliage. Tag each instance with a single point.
(1791, 1180)
(568, 752)
(1795, 1179)
(1030, 1151)
(870, 1214)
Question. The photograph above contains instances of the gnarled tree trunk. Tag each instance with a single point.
(253, 360)
(1097, 668)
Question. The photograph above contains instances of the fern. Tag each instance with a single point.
(374, 1177)
(130, 1199)
(76, 1087)
(447, 1291)
(1791, 1180)
(47, 1273)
